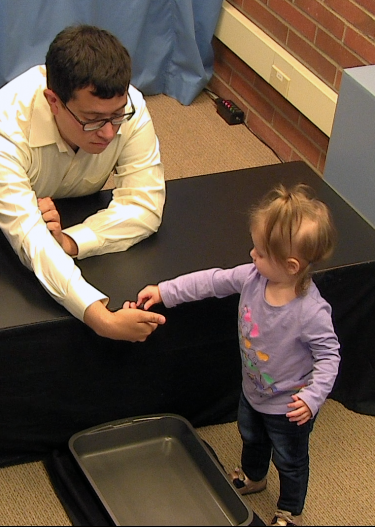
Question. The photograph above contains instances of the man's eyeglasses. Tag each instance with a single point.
(90, 126)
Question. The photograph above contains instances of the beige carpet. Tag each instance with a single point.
(195, 140)
(341, 490)
(342, 460)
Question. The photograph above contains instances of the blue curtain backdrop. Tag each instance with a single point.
(169, 40)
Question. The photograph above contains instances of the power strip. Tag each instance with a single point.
(231, 113)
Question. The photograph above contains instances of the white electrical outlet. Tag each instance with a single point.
(279, 80)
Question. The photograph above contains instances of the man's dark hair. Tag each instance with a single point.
(82, 56)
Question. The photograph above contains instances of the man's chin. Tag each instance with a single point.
(95, 148)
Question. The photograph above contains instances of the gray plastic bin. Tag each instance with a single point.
(155, 470)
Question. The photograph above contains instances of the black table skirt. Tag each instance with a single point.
(70, 379)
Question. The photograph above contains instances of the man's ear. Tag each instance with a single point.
(53, 100)
(293, 266)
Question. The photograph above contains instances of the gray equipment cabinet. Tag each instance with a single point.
(350, 163)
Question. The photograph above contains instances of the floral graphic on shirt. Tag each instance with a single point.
(251, 358)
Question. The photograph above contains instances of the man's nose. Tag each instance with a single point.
(107, 132)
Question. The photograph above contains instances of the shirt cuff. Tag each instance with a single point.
(84, 237)
(81, 296)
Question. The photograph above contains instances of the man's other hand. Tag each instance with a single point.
(52, 218)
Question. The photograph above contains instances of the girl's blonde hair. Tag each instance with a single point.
(281, 215)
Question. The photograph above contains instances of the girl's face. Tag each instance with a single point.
(273, 271)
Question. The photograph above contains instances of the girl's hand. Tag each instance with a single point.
(149, 296)
(301, 413)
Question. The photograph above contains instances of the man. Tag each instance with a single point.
(63, 129)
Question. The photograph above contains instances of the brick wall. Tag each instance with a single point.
(324, 35)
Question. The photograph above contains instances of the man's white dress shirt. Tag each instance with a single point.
(35, 162)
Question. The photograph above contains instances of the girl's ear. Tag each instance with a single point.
(293, 266)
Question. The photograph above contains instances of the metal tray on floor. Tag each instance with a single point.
(156, 470)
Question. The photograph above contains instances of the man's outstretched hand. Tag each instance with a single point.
(134, 325)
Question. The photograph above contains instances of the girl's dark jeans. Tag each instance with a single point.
(267, 437)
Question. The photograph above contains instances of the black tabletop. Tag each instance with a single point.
(205, 224)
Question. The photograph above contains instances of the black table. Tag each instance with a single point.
(57, 377)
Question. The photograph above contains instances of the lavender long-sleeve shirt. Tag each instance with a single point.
(284, 349)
